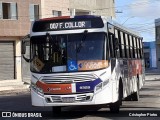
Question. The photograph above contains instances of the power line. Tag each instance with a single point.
(140, 27)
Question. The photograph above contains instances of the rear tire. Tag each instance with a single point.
(128, 98)
(115, 107)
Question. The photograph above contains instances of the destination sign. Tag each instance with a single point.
(67, 24)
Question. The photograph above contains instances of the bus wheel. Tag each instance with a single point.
(135, 95)
(115, 107)
(56, 109)
(128, 98)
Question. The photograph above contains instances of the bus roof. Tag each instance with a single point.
(120, 26)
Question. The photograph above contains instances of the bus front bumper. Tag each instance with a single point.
(101, 97)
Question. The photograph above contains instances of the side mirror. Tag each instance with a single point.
(25, 40)
(23, 49)
(24, 45)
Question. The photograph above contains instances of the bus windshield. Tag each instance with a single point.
(59, 53)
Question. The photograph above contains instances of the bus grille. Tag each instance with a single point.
(68, 78)
(77, 98)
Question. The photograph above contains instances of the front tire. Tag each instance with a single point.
(115, 107)
(56, 110)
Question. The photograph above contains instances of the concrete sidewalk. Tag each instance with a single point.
(13, 85)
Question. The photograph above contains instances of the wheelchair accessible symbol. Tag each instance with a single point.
(72, 66)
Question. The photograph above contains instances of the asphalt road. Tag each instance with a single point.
(148, 106)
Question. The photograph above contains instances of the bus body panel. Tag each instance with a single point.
(105, 93)
(127, 71)
(108, 95)
(107, 79)
(103, 97)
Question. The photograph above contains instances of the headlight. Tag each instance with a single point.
(37, 89)
(101, 85)
(105, 82)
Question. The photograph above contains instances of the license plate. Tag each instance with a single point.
(68, 99)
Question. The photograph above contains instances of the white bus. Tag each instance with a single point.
(84, 60)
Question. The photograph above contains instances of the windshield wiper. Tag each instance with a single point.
(82, 40)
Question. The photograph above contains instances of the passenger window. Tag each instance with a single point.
(111, 44)
(138, 47)
(135, 46)
(131, 46)
(141, 48)
(118, 51)
(122, 45)
(127, 46)
(125, 50)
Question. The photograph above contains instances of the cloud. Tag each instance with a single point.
(145, 8)
(144, 12)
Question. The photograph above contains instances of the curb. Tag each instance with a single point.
(14, 88)
(14, 92)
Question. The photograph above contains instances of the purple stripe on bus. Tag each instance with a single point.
(87, 86)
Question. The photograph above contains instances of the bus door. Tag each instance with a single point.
(111, 38)
(114, 50)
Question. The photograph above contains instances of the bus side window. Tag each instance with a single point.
(111, 44)
(131, 46)
(138, 47)
(135, 47)
(111, 38)
(127, 46)
(122, 45)
(141, 47)
(117, 44)
(125, 50)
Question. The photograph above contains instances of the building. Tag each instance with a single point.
(15, 20)
(150, 54)
(157, 31)
(92, 7)
(54, 8)
(14, 24)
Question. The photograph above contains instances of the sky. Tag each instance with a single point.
(139, 15)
